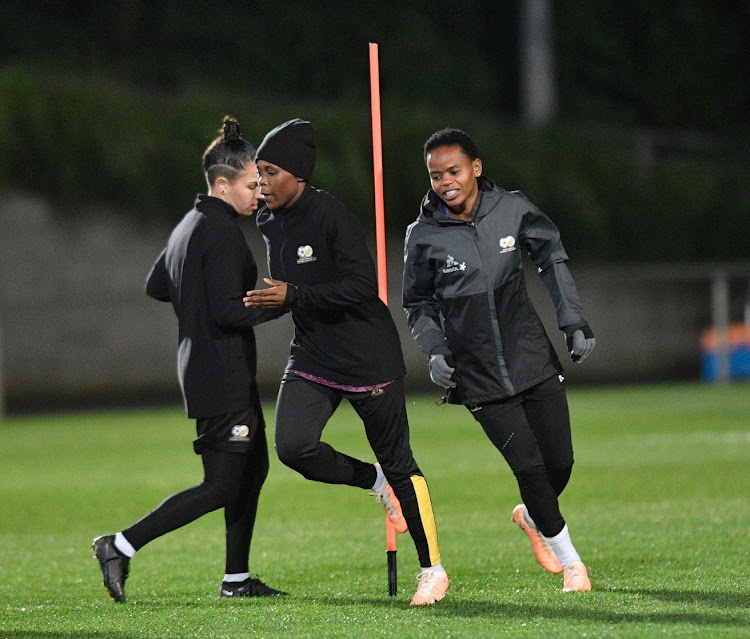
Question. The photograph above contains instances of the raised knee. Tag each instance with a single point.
(291, 456)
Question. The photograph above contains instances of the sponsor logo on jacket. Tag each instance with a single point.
(451, 265)
(507, 244)
(305, 254)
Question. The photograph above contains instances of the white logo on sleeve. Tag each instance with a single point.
(451, 265)
(305, 254)
(507, 244)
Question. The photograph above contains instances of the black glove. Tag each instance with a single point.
(580, 341)
(442, 368)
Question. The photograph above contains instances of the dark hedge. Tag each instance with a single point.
(618, 193)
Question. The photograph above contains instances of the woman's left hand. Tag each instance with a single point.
(267, 297)
(581, 346)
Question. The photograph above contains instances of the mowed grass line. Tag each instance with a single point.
(657, 506)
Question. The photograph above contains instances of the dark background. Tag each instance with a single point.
(642, 160)
(646, 157)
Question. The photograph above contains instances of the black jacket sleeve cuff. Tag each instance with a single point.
(291, 295)
(441, 350)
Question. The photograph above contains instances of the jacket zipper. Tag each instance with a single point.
(490, 293)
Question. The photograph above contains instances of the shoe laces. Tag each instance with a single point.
(574, 571)
(383, 496)
(428, 580)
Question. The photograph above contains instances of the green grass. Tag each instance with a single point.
(658, 506)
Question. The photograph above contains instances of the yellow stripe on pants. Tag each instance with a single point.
(427, 516)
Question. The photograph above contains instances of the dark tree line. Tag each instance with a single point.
(113, 101)
(673, 63)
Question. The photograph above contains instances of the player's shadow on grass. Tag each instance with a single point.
(718, 599)
(473, 608)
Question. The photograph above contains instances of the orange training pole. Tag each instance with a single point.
(390, 538)
(377, 160)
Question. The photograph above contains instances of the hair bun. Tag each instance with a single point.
(231, 129)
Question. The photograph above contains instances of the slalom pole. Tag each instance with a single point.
(377, 161)
(390, 553)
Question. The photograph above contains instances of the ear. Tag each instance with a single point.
(221, 183)
(477, 165)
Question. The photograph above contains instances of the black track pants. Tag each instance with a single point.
(302, 411)
(231, 481)
(532, 431)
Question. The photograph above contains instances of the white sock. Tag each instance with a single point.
(435, 568)
(527, 518)
(236, 577)
(123, 545)
(380, 479)
(563, 547)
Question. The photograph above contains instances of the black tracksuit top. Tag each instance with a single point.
(205, 271)
(342, 331)
(471, 274)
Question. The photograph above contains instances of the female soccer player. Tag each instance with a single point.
(204, 272)
(345, 345)
(489, 348)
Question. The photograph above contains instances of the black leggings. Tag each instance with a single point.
(302, 411)
(532, 431)
(231, 481)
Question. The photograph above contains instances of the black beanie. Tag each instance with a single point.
(291, 146)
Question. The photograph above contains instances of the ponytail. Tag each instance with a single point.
(228, 154)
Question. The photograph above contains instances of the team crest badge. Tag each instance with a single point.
(239, 433)
(305, 254)
(507, 244)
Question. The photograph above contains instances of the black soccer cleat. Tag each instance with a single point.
(115, 566)
(248, 588)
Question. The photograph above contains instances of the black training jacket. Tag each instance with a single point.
(205, 271)
(343, 331)
(470, 274)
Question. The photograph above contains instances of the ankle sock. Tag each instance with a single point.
(563, 547)
(380, 479)
(236, 577)
(435, 568)
(527, 518)
(123, 546)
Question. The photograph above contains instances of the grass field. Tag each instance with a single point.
(658, 506)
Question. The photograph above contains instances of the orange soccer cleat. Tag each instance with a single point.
(576, 577)
(542, 551)
(431, 589)
(387, 497)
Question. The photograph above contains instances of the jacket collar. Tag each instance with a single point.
(434, 210)
(266, 215)
(209, 205)
(301, 202)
